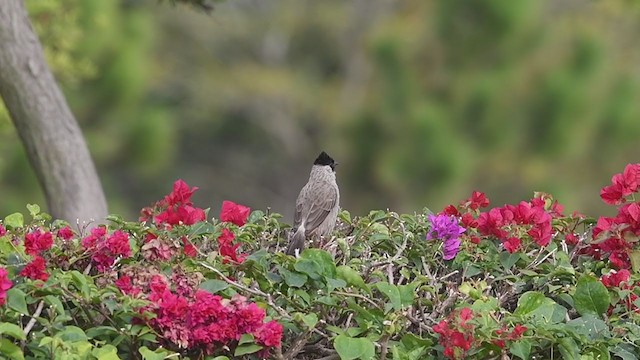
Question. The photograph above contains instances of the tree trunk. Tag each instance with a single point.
(49, 132)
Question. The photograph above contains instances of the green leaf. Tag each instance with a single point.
(158, 354)
(34, 210)
(10, 349)
(591, 296)
(391, 292)
(56, 303)
(246, 338)
(14, 221)
(292, 279)
(352, 277)
(255, 216)
(107, 352)
(322, 258)
(507, 260)
(568, 349)
(354, 348)
(101, 331)
(335, 284)
(634, 256)
(16, 300)
(309, 267)
(72, 333)
(214, 286)
(521, 349)
(537, 306)
(310, 320)
(590, 326)
(625, 352)
(530, 301)
(407, 293)
(411, 341)
(247, 349)
(12, 330)
(201, 228)
(217, 358)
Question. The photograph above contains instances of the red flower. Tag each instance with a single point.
(189, 249)
(512, 244)
(614, 279)
(5, 284)
(118, 244)
(181, 194)
(269, 334)
(450, 210)
(468, 221)
(234, 213)
(541, 233)
(517, 332)
(466, 314)
(104, 250)
(227, 249)
(35, 269)
(478, 200)
(97, 235)
(65, 233)
(125, 285)
(475, 239)
(37, 241)
(3, 231)
(571, 239)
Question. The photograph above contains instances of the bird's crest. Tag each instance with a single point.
(324, 159)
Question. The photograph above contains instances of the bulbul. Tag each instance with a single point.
(317, 205)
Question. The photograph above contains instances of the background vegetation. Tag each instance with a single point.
(418, 100)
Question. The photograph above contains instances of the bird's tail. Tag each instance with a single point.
(297, 241)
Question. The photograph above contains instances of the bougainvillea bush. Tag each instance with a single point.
(472, 281)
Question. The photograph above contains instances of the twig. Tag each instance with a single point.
(331, 357)
(384, 346)
(33, 320)
(417, 322)
(449, 274)
(256, 292)
(297, 345)
(359, 297)
(398, 254)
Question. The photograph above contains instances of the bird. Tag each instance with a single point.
(316, 206)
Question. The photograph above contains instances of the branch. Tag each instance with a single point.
(33, 320)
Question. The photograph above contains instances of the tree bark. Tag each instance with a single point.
(48, 130)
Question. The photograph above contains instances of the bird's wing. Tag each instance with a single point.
(324, 200)
(300, 205)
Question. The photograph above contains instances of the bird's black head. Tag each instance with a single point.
(325, 159)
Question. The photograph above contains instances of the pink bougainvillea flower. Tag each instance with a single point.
(269, 334)
(229, 250)
(477, 200)
(125, 285)
(5, 284)
(188, 248)
(35, 269)
(181, 194)
(3, 230)
(615, 278)
(106, 249)
(571, 239)
(234, 213)
(37, 241)
(512, 244)
(65, 233)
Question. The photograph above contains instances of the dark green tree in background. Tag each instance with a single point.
(418, 100)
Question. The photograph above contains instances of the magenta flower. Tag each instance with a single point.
(446, 228)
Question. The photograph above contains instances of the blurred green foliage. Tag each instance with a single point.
(420, 101)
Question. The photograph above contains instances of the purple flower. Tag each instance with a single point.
(446, 228)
